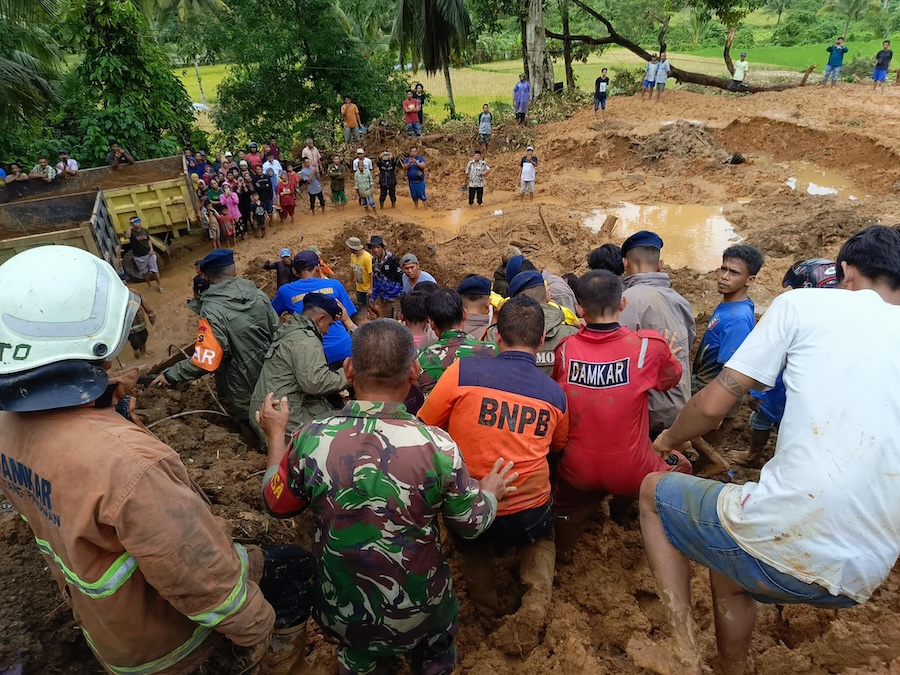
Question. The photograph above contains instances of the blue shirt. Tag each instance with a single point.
(423, 276)
(836, 55)
(728, 327)
(413, 172)
(772, 402)
(290, 298)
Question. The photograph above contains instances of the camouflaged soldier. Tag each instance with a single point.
(377, 479)
(532, 285)
(446, 315)
(295, 365)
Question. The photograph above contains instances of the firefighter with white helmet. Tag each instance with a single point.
(150, 576)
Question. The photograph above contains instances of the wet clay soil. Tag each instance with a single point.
(606, 596)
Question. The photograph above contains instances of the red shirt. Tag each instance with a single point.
(254, 159)
(606, 375)
(293, 179)
(411, 108)
(286, 193)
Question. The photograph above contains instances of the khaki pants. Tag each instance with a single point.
(388, 309)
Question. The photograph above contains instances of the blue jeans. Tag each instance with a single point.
(687, 508)
(599, 102)
(413, 128)
(833, 72)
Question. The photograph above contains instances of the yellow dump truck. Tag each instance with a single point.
(92, 210)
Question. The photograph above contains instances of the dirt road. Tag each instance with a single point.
(838, 148)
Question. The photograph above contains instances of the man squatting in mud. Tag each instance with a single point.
(821, 527)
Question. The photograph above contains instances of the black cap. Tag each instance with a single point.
(305, 260)
(376, 240)
(325, 302)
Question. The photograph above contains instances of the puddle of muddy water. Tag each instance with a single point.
(814, 179)
(694, 235)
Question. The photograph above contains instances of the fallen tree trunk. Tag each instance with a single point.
(681, 76)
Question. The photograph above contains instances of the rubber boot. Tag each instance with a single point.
(287, 652)
(476, 562)
(521, 632)
(568, 528)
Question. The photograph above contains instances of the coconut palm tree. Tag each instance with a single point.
(433, 33)
(851, 10)
(777, 7)
(29, 58)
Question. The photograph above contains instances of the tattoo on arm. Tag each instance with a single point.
(732, 384)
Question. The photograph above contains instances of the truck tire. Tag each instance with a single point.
(131, 267)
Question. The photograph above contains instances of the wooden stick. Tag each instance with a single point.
(609, 225)
(188, 412)
(549, 231)
(717, 463)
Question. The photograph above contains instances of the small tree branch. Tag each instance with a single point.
(586, 39)
(661, 38)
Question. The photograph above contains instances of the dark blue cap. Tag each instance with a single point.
(642, 238)
(523, 281)
(474, 285)
(325, 302)
(376, 240)
(216, 260)
(305, 260)
(516, 264)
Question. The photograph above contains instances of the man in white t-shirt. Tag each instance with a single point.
(822, 525)
(361, 157)
(529, 172)
(739, 77)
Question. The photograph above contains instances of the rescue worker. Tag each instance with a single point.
(375, 473)
(295, 365)
(476, 296)
(236, 327)
(652, 304)
(560, 291)
(607, 371)
(532, 285)
(506, 405)
(501, 285)
(309, 280)
(152, 579)
(446, 316)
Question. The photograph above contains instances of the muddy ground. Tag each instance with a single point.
(606, 596)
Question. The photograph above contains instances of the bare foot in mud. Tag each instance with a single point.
(661, 657)
(748, 459)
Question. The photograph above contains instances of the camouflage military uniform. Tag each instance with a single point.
(377, 479)
(295, 367)
(437, 357)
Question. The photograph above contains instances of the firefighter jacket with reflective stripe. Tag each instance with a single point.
(150, 576)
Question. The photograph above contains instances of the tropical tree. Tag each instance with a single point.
(127, 88)
(698, 22)
(851, 10)
(191, 17)
(434, 33)
(777, 7)
(369, 21)
(29, 59)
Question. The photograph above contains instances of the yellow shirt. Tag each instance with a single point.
(361, 263)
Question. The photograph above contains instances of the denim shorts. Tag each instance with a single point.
(759, 421)
(687, 509)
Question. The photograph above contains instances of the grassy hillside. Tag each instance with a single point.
(800, 57)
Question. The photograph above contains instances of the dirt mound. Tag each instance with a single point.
(800, 226)
(681, 140)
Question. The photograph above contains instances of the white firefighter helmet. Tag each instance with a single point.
(58, 304)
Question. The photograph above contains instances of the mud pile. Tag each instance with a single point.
(679, 140)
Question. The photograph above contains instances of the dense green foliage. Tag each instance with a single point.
(123, 89)
(127, 89)
(292, 63)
